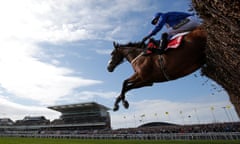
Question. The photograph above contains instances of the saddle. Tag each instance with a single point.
(173, 43)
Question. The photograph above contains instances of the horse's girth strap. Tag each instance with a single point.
(163, 68)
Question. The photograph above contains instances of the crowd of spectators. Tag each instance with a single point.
(7, 125)
(197, 128)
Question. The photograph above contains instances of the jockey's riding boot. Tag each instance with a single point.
(163, 43)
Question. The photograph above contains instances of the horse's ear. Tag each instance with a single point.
(115, 44)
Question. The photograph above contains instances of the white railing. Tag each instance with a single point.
(162, 136)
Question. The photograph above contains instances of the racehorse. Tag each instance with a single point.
(173, 64)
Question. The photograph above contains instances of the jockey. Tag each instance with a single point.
(175, 22)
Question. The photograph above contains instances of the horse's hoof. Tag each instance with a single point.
(116, 107)
(126, 104)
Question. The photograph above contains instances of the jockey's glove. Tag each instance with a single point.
(145, 38)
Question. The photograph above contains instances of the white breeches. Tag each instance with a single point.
(189, 26)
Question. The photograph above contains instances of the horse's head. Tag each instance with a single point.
(116, 59)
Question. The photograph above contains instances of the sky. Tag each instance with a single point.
(55, 52)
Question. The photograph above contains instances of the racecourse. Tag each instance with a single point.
(16, 140)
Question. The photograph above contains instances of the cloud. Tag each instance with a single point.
(56, 21)
(17, 111)
(84, 96)
(91, 94)
(26, 76)
(104, 51)
(23, 73)
(67, 21)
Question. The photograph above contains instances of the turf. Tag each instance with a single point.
(10, 140)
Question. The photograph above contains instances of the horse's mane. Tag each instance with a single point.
(135, 47)
(138, 45)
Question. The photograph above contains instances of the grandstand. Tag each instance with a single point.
(6, 122)
(28, 120)
(82, 116)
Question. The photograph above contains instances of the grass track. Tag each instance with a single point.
(10, 140)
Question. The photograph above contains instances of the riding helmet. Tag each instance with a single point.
(156, 16)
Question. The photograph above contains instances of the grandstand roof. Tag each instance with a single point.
(87, 105)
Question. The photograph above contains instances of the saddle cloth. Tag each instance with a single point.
(173, 43)
(176, 40)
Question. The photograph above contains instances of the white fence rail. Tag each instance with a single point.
(169, 136)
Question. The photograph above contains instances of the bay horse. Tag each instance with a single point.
(173, 64)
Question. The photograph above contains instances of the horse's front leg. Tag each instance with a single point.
(121, 96)
(131, 83)
(116, 106)
(138, 84)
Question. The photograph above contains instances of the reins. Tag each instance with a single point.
(137, 57)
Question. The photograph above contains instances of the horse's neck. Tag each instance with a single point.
(131, 53)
